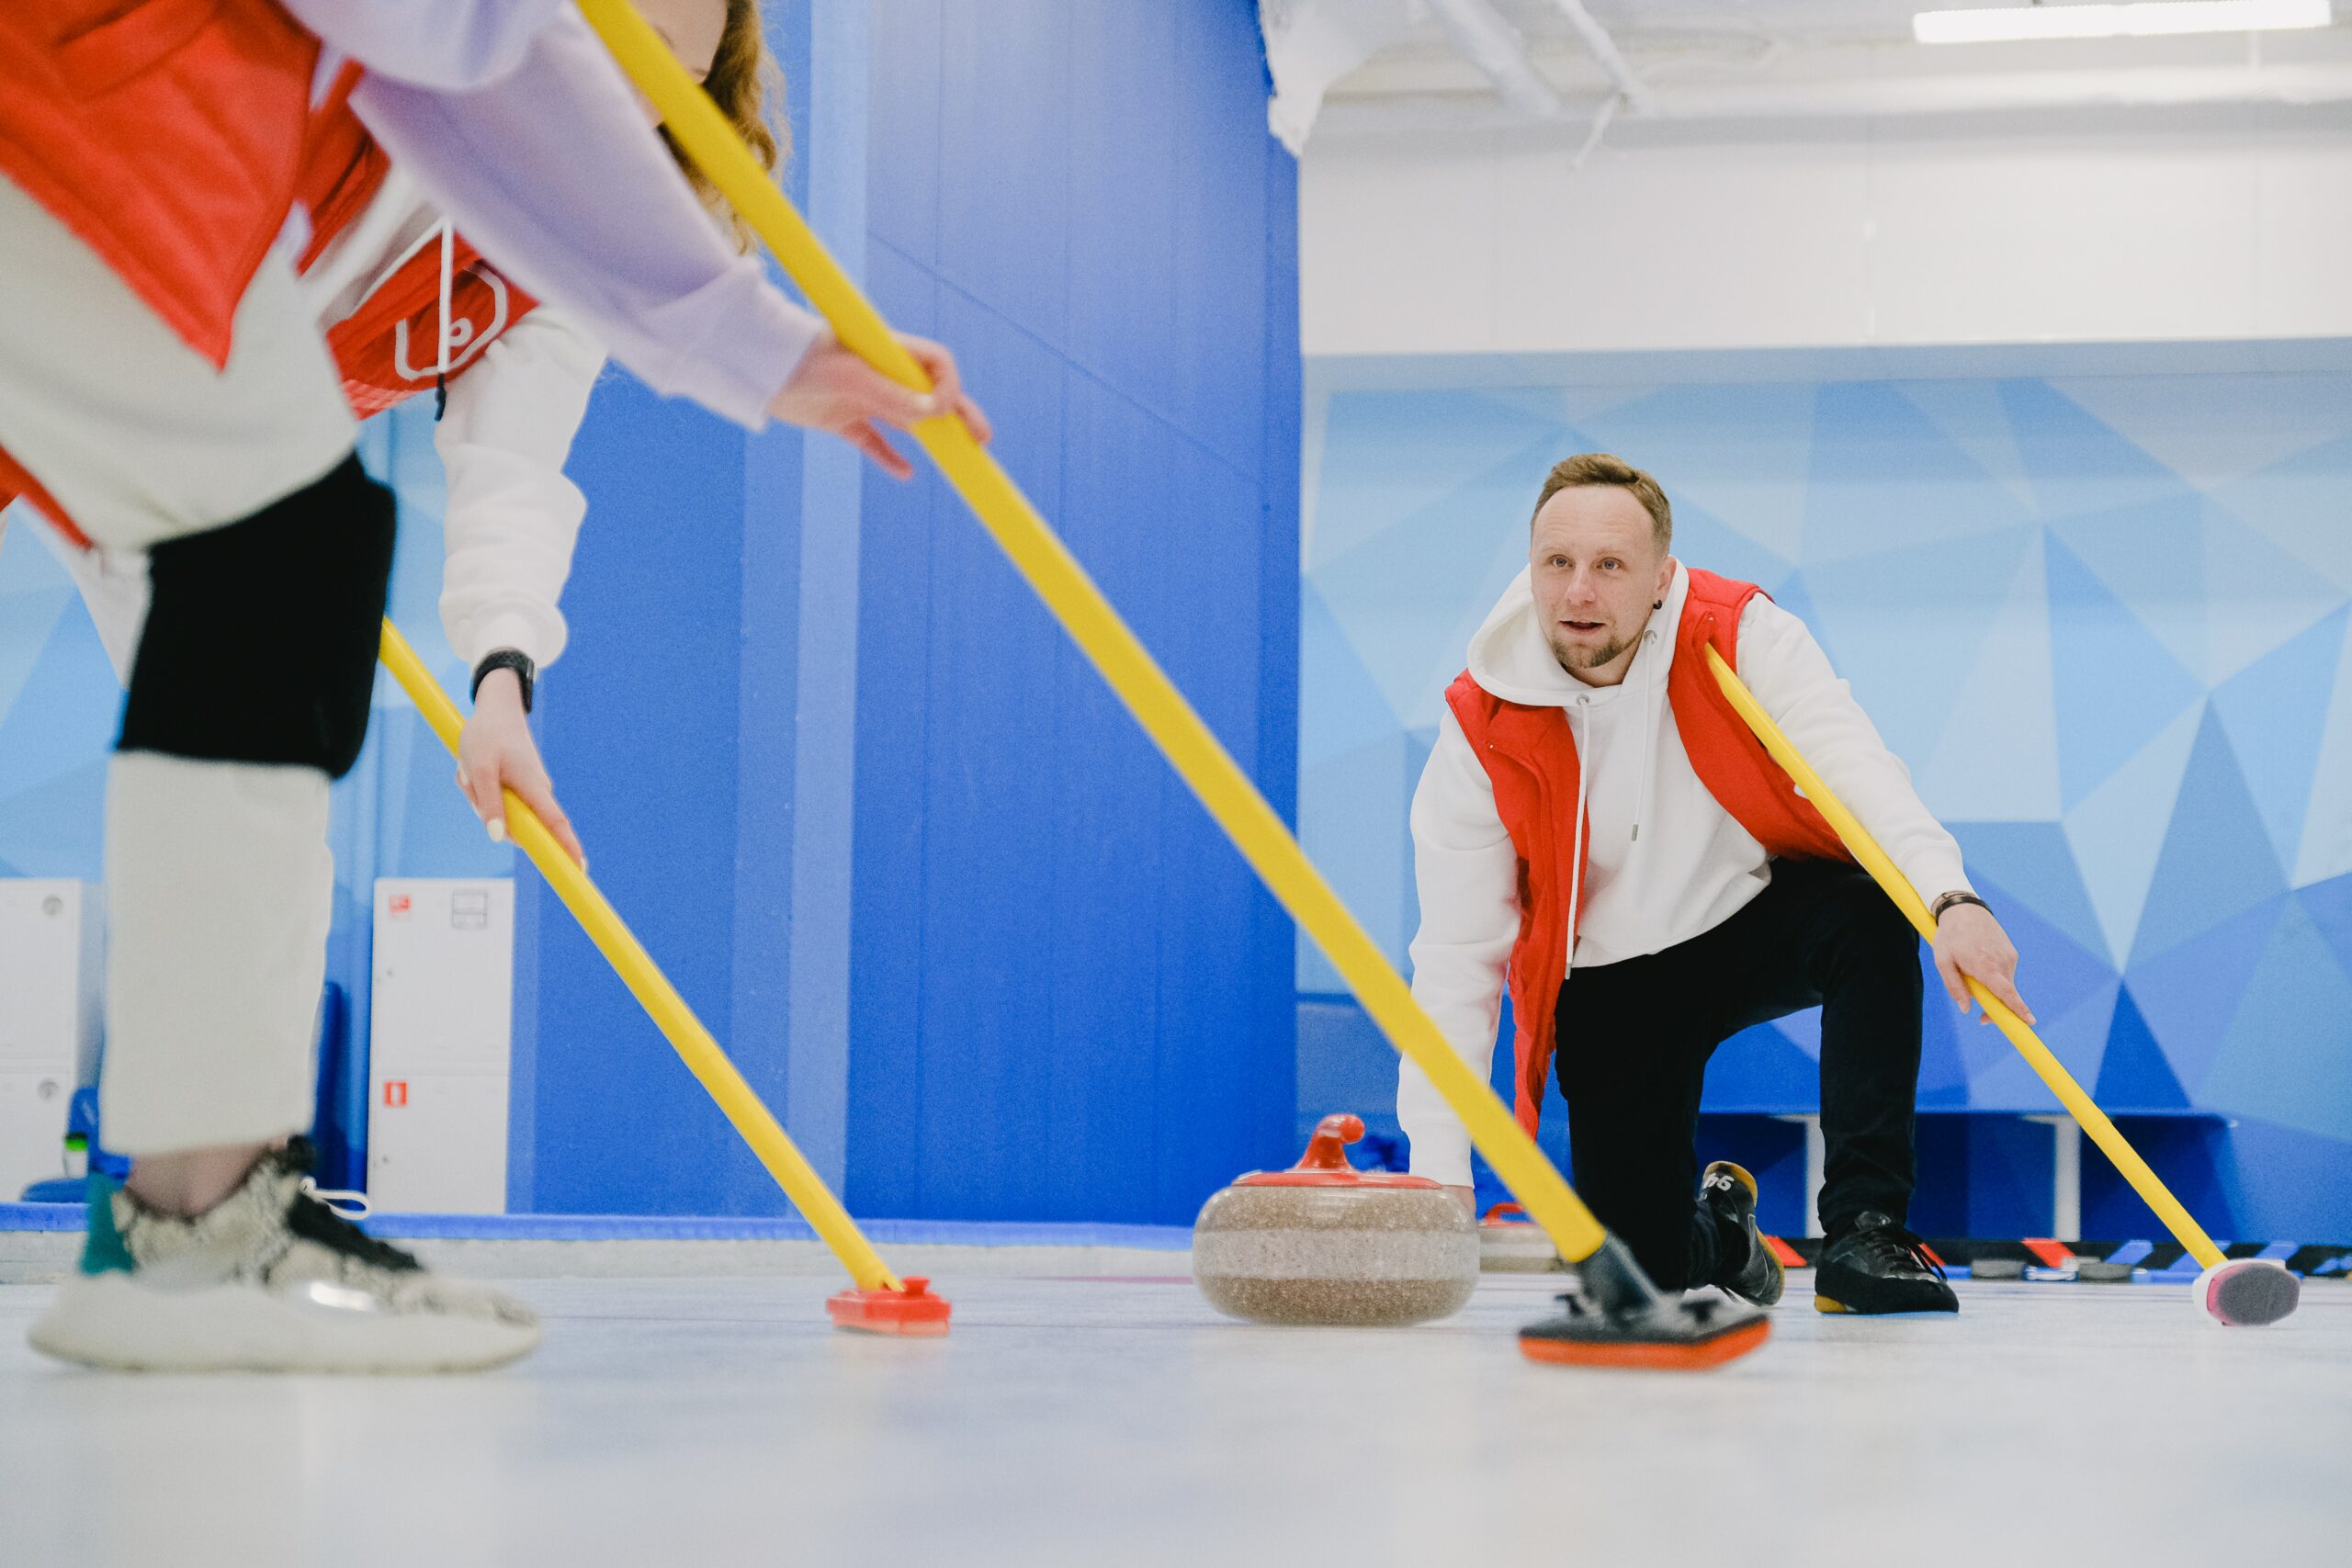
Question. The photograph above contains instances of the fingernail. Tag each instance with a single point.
(497, 830)
(584, 862)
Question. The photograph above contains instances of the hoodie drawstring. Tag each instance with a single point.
(1649, 726)
(448, 285)
(1576, 847)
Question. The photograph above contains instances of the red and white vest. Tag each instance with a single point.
(194, 118)
(168, 134)
(1530, 755)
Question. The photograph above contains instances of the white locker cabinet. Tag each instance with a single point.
(52, 964)
(440, 1033)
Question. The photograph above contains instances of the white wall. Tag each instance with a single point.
(2230, 227)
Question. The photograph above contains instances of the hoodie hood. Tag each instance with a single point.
(1511, 657)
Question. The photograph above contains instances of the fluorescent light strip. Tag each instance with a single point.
(2148, 18)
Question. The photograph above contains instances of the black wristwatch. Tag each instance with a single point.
(1936, 911)
(506, 658)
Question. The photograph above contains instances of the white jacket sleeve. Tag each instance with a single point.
(1791, 678)
(1467, 875)
(513, 517)
(552, 171)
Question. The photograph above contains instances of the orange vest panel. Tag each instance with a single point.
(167, 133)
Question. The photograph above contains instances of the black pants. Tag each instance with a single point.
(1634, 1038)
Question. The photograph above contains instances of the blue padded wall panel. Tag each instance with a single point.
(886, 1100)
(639, 725)
(1228, 196)
(1121, 315)
(911, 36)
(1068, 998)
(1010, 227)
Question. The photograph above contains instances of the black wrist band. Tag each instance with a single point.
(507, 659)
(1936, 912)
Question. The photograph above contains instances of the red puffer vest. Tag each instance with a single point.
(1530, 754)
(168, 134)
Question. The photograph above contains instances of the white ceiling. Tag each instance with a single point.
(1723, 62)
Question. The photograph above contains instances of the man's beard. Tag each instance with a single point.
(1573, 658)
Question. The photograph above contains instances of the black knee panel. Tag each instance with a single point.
(261, 636)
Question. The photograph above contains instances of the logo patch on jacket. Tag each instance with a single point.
(389, 349)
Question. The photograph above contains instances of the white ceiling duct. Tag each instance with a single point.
(1496, 47)
(1312, 43)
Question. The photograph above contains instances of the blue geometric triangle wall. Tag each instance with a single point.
(2116, 684)
(2131, 592)
(2134, 1074)
(2217, 859)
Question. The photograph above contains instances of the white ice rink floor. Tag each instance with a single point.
(702, 1422)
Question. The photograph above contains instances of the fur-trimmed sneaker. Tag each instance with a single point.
(1730, 1192)
(1874, 1265)
(270, 1279)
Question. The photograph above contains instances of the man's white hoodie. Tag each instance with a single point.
(1665, 861)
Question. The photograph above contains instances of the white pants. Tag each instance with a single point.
(218, 883)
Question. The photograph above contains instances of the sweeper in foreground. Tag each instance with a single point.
(165, 388)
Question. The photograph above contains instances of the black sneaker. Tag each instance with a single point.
(1730, 1192)
(1874, 1265)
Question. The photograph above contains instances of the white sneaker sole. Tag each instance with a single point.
(110, 1320)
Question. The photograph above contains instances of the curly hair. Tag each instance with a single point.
(744, 81)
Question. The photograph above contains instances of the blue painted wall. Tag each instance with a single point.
(1069, 998)
(1060, 997)
(2104, 618)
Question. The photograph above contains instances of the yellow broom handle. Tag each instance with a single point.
(2184, 1229)
(1040, 557)
(653, 988)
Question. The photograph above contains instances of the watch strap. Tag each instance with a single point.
(525, 672)
(1936, 911)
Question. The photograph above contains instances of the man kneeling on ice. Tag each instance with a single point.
(1598, 826)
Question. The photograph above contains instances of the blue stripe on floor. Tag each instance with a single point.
(672, 1227)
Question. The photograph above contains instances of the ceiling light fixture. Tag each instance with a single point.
(2146, 20)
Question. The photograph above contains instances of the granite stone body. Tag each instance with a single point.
(1516, 1247)
(1327, 1245)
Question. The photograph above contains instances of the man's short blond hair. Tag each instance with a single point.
(1601, 468)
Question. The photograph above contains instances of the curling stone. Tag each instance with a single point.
(1997, 1269)
(1510, 1243)
(1326, 1244)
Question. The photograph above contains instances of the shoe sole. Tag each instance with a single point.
(110, 1321)
(1755, 1238)
(1830, 1303)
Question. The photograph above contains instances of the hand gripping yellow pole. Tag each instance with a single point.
(669, 1011)
(1898, 888)
(1040, 557)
